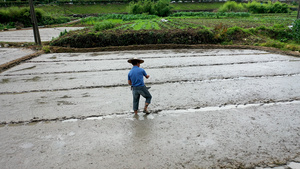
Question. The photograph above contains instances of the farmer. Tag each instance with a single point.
(136, 80)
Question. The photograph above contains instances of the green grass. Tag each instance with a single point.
(196, 6)
(85, 9)
(117, 8)
(244, 22)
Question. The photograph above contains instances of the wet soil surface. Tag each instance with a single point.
(26, 35)
(211, 108)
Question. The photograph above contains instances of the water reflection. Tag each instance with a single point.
(142, 127)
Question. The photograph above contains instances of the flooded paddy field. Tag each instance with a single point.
(210, 108)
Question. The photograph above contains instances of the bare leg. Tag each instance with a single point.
(145, 108)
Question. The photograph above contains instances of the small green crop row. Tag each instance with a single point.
(128, 17)
(157, 24)
(212, 14)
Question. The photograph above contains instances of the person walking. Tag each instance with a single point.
(136, 80)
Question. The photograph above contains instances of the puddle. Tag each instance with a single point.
(94, 118)
(70, 120)
(59, 103)
(290, 165)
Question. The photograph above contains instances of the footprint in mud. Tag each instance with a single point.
(65, 97)
(40, 101)
(86, 95)
(25, 69)
(34, 79)
(59, 103)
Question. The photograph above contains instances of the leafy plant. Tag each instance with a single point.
(220, 31)
(46, 49)
(163, 8)
(63, 33)
(104, 25)
(296, 30)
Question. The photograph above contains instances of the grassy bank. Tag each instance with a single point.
(119, 8)
(208, 28)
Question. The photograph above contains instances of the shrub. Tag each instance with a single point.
(159, 8)
(163, 8)
(278, 32)
(232, 6)
(22, 16)
(278, 7)
(256, 7)
(274, 44)
(46, 49)
(135, 8)
(296, 30)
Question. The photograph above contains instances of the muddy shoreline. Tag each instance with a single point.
(55, 49)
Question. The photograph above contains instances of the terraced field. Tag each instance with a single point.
(220, 108)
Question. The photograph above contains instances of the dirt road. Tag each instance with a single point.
(211, 108)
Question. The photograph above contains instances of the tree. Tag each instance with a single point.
(298, 16)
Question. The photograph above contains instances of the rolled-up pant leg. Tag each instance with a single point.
(146, 94)
(136, 92)
(136, 99)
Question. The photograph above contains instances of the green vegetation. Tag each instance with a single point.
(20, 17)
(255, 7)
(277, 7)
(159, 8)
(104, 25)
(296, 31)
(223, 27)
(232, 6)
(196, 6)
(211, 14)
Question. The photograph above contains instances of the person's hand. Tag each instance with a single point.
(147, 76)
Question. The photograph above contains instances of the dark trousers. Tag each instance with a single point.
(136, 92)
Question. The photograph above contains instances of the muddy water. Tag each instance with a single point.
(211, 108)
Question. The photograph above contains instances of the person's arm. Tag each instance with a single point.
(129, 82)
(147, 76)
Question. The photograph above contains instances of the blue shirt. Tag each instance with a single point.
(136, 76)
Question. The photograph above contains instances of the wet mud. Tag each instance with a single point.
(212, 108)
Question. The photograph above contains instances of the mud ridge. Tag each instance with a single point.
(36, 120)
(56, 49)
(158, 67)
(151, 83)
(156, 57)
(15, 62)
